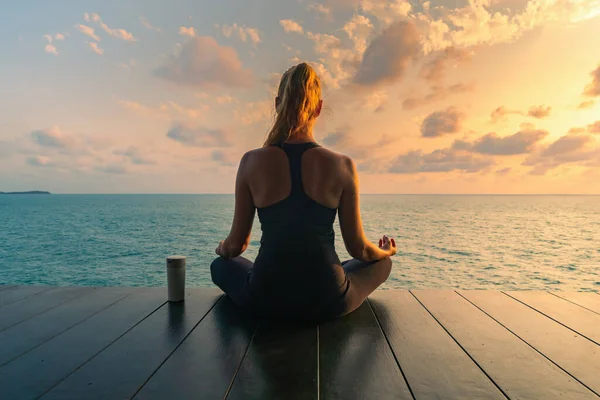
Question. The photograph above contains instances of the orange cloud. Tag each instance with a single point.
(144, 21)
(243, 32)
(114, 32)
(440, 123)
(291, 26)
(95, 48)
(86, 30)
(203, 63)
(441, 160)
(187, 31)
(387, 57)
(200, 136)
(593, 88)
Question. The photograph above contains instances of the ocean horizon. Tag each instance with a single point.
(457, 241)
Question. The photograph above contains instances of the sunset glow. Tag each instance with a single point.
(478, 96)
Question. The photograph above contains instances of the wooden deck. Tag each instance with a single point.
(121, 343)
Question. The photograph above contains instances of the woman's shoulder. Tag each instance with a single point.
(323, 154)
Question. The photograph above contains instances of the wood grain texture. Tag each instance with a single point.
(591, 301)
(573, 353)
(123, 367)
(356, 361)
(281, 364)
(29, 334)
(20, 311)
(53, 361)
(579, 319)
(206, 362)
(434, 365)
(520, 371)
(18, 293)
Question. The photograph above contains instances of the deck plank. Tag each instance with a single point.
(21, 338)
(580, 320)
(356, 361)
(588, 300)
(53, 361)
(281, 364)
(205, 363)
(575, 354)
(17, 293)
(520, 371)
(434, 365)
(123, 367)
(20, 311)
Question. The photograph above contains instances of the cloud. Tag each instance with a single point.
(586, 104)
(50, 49)
(503, 171)
(59, 36)
(111, 169)
(437, 93)
(342, 140)
(222, 158)
(134, 155)
(593, 88)
(434, 70)
(203, 63)
(358, 29)
(243, 32)
(114, 32)
(187, 31)
(500, 113)
(569, 149)
(255, 112)
(386, 10)
(387, 57)
(595, 127)
(166, 110)
(148, 25)
(566, 144)
(86, 30)
(338, 138)
(291, 26)
(52, 138)
(40, 161)
(441, 160)
(319, 8)
(128, 65)
(95, 48)
(440, 123)
(200, 136)
(521, 142)
(539, 111)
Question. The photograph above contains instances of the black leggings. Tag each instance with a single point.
(363, 277)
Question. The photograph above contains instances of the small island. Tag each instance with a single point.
(31, 192)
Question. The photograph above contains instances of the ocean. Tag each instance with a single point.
(444, 241)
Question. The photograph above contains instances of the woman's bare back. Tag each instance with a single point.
(324, 176)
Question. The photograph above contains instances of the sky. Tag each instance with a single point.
(442, 96)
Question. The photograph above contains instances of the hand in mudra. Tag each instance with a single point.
(388, 245)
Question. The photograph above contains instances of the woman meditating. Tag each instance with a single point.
(298, 187)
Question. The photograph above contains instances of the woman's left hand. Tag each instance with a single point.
(219, 249)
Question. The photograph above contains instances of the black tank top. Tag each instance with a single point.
(298, 224)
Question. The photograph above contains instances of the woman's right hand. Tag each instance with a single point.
(388, 245)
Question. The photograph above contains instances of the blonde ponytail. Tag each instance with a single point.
(299, 96)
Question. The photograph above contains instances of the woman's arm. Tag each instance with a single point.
(243, 217)
(357, 245)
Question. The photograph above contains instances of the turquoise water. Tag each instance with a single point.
(466, 242)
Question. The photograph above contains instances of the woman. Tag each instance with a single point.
(298, 187)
